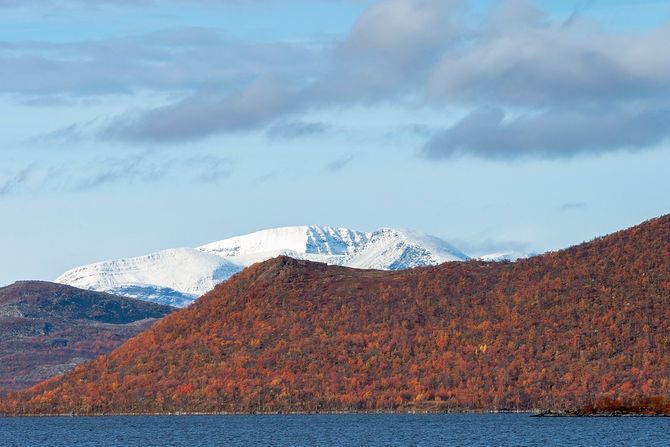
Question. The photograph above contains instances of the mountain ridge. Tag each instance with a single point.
(178, 276)
(47, 328)
(556, 331)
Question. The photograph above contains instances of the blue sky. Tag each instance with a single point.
(130, 126)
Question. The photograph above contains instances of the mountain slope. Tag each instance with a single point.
(46, 329)
(175, 277)
(178, 276)
(389, 249)
(306, 239)
(554, 331)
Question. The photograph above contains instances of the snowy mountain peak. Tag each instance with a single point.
(392, 249)
(301, 239)
(178, 276)
(438, 246)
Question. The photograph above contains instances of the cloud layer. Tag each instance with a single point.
(525, 84)
(555, 133)
(89, 174)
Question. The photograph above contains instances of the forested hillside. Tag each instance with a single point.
(559, 330)
(47, 329)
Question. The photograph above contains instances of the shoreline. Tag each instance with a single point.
(529, 413)
(597, 414)
(271, 413)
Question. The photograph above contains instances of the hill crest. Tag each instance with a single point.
(178, 276)
(47, 328)
(559, 330)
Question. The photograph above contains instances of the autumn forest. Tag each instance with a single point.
(558, 331)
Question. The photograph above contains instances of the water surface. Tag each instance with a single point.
(333, 430)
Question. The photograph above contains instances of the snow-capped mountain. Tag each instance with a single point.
(389, 249)
(175, 277)
(306, 242)
(385, 249)
(178, 276)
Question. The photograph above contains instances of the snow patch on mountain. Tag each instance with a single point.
(389, 249)
(155, 294)
(178, 276)
(303, 240)
(503, 256)
(182, 273)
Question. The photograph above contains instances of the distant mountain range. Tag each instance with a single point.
(557, 331)
(178, 276)
(47, 329)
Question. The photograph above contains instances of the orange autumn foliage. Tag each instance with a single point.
(561, 330)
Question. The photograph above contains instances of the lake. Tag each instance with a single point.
(333, 430)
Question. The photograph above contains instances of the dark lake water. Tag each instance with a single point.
(334, 430)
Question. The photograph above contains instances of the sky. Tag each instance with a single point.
(130, 126)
